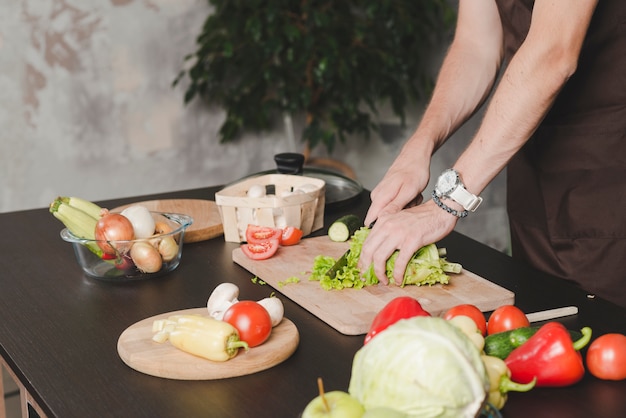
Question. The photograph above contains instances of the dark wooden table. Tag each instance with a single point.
(58, 330)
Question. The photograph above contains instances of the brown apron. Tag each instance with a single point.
(566, 188)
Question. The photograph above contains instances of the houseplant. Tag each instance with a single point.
(333, 62)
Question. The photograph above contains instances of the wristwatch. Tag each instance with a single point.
(450, 186)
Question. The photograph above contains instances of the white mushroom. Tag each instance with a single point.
(222, 297)
(275, 308)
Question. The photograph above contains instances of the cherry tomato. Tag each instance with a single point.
(256, 234)
(468, 310)
(261, 250)
(606, 357)
(251, 320)
(291, 235)
(506, 318)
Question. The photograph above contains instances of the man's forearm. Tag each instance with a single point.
(466, 77)
(527, 90)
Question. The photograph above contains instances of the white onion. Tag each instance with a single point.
(142, 220)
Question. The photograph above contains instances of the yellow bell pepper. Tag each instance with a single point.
(199, 335)
(500, 382)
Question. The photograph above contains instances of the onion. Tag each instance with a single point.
(168, 248)
(141, 219)
(146, 258)
(113, 227)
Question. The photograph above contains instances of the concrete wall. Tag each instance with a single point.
(87, 109)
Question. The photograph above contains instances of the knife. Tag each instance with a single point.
(342, 261)
(339, 265)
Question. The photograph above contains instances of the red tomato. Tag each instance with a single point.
(261, 250)
(291, 235)
(251, 320)
(606, 357)
(506, 318)
(468, 310)
(256, 234)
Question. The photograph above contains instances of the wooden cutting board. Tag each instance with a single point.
(207, 222)
(136, 348)
(351, 311)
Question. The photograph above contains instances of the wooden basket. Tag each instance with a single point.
(290, 201)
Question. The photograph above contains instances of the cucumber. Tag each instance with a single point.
(342, 229)
(501, 344)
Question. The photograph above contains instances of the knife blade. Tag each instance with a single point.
(339, 265)
(342, 261)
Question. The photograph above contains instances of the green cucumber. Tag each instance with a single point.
(501, 344)
(342, 229)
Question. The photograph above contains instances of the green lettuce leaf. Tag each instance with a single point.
(428, 266)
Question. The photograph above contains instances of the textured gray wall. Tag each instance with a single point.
(87, 109)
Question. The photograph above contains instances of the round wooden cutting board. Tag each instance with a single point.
(136, 348)
(207, 222)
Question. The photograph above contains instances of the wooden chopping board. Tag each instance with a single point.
(351, 311)
(207, 222)
(136, 348)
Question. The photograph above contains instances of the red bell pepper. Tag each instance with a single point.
(402, 307)
(550, 356)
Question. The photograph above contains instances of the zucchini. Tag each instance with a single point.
(342, 229)
(501, 344)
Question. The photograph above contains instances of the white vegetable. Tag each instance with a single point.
(256, 190)
(469, 328)
(141, 219)
(275, 308)
(222, 297)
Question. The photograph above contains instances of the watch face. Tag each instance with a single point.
(447, 182)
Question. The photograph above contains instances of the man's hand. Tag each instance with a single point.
(407, 230)
(401, 187)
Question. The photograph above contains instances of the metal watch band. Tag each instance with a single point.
(458, 214)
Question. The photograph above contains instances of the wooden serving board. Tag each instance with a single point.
(136, 348)
(351, 311)
(207, 222)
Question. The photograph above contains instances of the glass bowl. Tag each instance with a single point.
(120, 265)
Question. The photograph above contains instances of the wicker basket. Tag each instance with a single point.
(290, 201)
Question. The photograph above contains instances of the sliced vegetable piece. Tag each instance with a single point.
(291, 236)
(256, 234)
(262, 250)
(342, 229)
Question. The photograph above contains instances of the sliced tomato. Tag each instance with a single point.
(257, 234)
(291, 236)
(260, 250)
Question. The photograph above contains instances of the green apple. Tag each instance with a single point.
(335, 404)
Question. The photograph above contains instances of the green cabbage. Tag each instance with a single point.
(422, 367)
